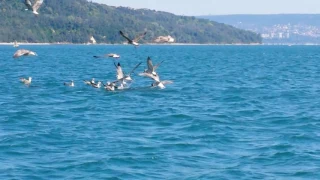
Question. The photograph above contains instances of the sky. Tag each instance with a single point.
(222, 7)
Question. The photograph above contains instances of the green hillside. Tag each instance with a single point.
(75, 20)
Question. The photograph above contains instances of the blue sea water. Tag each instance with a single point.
(233, 112)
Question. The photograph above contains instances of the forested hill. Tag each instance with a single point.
(74, 21)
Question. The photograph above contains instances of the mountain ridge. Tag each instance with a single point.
(74, 21)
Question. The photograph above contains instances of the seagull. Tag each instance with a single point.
(26, 81)
(15, 44)
(71, 84)
(121, 77)
(35, 7)
(161, 84)
(112, 55)
(151, 71)
(96, 85)
(134, 41)
(156, 79)
(110, 86)
(89, 82)
(23, 52)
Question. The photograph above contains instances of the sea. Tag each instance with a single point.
(232, 112)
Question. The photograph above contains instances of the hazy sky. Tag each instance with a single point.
(214, 7)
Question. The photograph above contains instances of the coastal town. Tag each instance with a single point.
(285, 31)
(277, 29)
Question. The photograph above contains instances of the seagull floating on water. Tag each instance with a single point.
(87, 82)
(71, 84)
(112, 55)
(26, 81)
(35, 7)
(96, 85)
(133, 41)
(110, 86)
(24, 52)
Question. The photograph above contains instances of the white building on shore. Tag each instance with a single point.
(164, 39)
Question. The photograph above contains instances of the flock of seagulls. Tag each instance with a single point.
(122, 81)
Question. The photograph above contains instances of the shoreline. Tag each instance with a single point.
(161, 44)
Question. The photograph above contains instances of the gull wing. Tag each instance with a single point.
(150, 66)
(37, 5)
(157, 65)
(28, 4)
(21, 52)
(119, 71)
(135, 68)
(139, 37)
(125, 36)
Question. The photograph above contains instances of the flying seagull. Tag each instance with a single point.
(121, 77)
(151, 71)
(71, 84)
(133, 41)
(35, 7)
(23, 52)
(26, 81)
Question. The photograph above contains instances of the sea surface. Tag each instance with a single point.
(233, 112)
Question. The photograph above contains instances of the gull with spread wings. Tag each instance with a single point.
(133, 41)
(24, 52)
(151, 71)
(152, 74)
(121, 77)
(34, 8)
